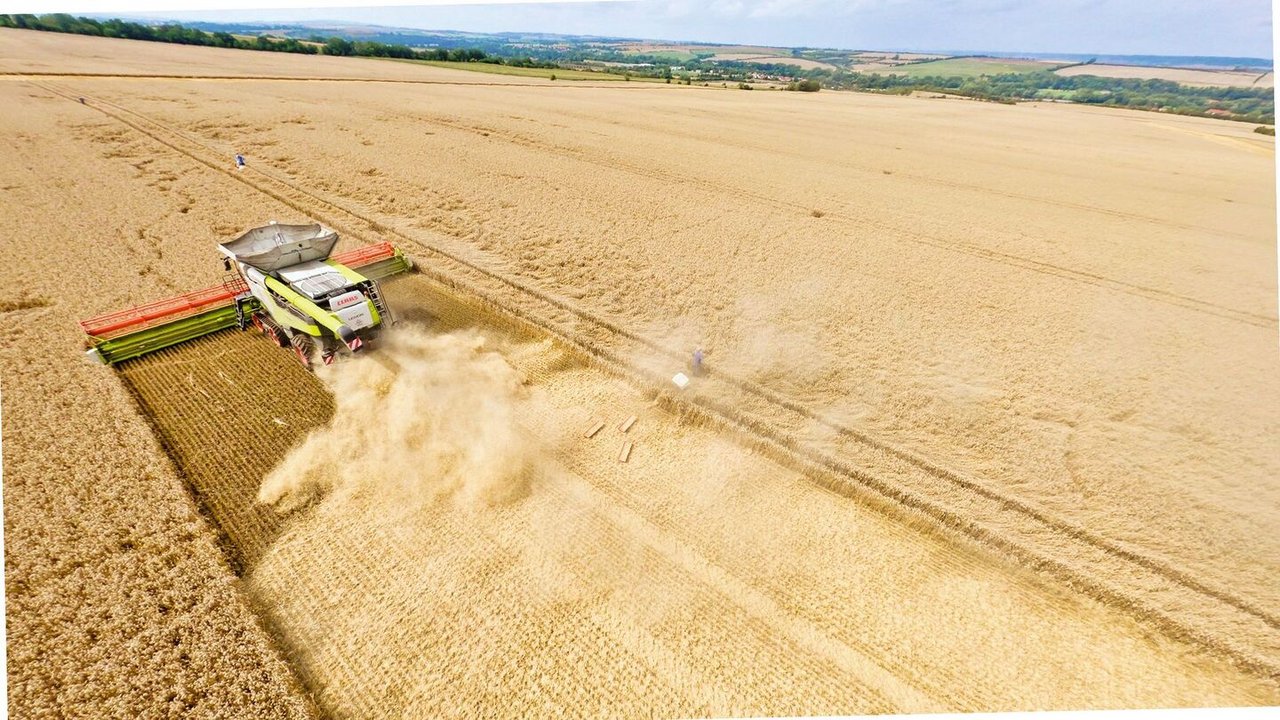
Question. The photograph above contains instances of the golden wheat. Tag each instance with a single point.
(1031, 312)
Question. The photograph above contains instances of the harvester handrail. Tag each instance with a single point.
(139, 317)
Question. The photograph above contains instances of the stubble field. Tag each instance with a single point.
(1026, 353)
(1186, 76)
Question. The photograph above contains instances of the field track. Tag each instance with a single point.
(855, 217)
(556, 581)
(226, 412)
(180, 388)
(34, 76)
(860, 465)
(159, 131)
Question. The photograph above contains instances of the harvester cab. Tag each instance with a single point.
(299, 296)
(284, 280)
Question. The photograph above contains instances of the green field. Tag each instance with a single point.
(964, 67)
(671, 56)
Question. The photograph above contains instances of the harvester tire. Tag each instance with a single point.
(302, 346)
(271, 330)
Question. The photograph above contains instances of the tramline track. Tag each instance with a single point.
(864, 467)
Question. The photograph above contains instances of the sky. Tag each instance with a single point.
(1132, 27)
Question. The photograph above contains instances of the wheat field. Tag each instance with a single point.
(987, 382)
(1186, 76)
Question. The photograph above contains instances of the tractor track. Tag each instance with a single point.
(860, 220)
(16, 75)
(872, 172)
(851, 219)
(893, 478)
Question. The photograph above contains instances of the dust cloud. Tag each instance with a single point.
(423, 417)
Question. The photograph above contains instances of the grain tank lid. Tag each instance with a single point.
(272, 247)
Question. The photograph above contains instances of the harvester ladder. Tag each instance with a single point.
(375, 294)
(244, 310)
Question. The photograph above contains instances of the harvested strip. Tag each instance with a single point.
(225, 446)
(626, 424)
(599, 424)
(625, 453)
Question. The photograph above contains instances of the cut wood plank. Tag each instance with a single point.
(595, 428)
(626, 424)
(625, 454)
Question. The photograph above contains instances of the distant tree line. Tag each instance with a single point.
(1255, 105)
(172, 33)
(1236, 103)
(1247, 104)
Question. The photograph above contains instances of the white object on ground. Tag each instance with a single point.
(681, 380)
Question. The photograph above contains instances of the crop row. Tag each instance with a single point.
(227, 408)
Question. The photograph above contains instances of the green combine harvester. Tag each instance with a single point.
(283, 280)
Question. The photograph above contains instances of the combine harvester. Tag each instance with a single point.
(283, 281)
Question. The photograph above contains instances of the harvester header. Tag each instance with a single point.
(283, 280)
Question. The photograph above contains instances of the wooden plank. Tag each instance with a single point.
(595, 428)
(626, 424)
(625, 454)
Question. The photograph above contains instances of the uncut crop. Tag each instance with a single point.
(1042, 337)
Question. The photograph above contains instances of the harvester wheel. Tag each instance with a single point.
(302, 345)
(271, 330)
